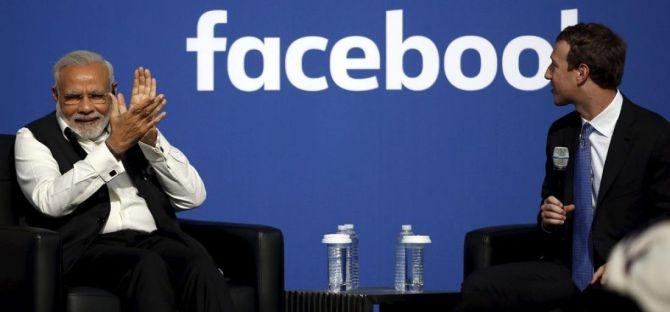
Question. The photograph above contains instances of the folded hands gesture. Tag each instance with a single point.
(138, 121)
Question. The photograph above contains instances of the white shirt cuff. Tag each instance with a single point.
(155, 154)
(104, 163)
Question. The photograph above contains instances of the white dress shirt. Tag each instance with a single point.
(57, 194)
(603, 124)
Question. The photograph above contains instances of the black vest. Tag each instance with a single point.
(79, 228)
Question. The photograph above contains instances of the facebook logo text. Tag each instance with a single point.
(205, 45)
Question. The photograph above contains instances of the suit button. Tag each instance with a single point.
(101, 220)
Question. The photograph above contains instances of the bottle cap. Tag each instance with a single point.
(349, 226)
(336, 239)
(415, 239)
(341, 227)
(406, 227)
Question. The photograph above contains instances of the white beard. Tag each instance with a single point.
(87, 131)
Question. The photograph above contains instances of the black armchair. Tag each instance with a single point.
(501, 244)
(524, 242)
(251, 256)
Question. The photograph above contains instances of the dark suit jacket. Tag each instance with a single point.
(635, 186)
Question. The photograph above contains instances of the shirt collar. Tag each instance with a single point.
(604, 122)
(63, 125)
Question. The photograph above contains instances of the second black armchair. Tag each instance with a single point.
(501, 244)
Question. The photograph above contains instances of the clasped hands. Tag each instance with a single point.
(554, 213)
(128, 125)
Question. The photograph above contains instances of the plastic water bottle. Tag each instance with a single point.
(400, 258)
(338, 247)
(352, 255)
(355, 266)
(414, 250)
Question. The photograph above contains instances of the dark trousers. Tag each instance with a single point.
(152, 272)
(522, 286)
(535, 286)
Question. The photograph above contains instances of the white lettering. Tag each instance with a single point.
(205, 45)
(340, 64)
(269, 78)
(487, 69)
(293, 63)
(569, 18)
(395, 51)
(510, 62)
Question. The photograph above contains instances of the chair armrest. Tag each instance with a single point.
(30, 269)
(501, 244)
(248, 254)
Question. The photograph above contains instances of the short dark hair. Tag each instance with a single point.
(597, 46)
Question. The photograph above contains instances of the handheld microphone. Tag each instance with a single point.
(560, 158)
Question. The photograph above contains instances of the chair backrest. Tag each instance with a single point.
(12, 201)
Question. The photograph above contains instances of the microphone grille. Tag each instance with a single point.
(560, 157)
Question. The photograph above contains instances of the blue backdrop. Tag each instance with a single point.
(444, 159)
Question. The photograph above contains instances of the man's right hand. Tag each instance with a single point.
(129, 125)
(553, 212)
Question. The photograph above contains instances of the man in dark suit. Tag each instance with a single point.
(616, 180)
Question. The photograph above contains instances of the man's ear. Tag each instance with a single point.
(583, 73)
(54, 93)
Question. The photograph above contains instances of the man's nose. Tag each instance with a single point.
(85, 106)
(547, 74)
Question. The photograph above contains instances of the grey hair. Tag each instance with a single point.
(81, 57)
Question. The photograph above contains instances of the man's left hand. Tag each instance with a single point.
(599, 275)
(144, 86)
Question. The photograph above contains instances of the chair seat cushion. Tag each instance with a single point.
(244, 298)
(94, 299)
(81, 299)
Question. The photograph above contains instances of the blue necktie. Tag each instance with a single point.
(582, 263)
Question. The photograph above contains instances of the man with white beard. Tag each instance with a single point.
(104, 177)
